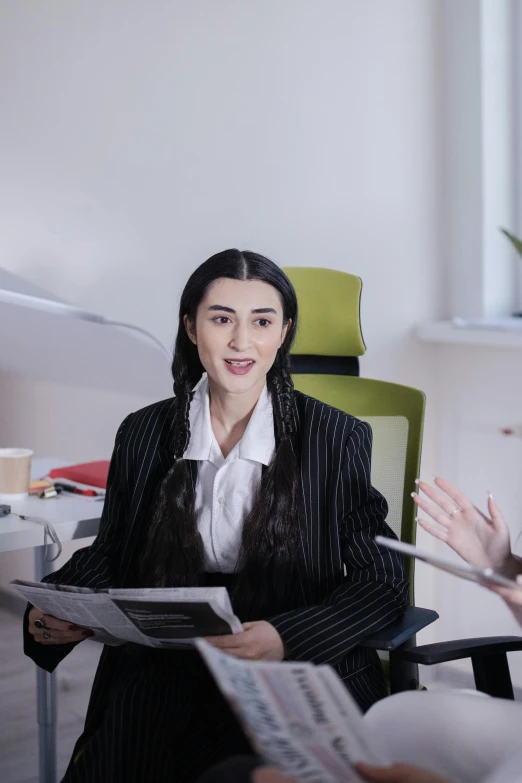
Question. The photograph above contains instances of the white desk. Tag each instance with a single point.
(73, 517)
(92, 356)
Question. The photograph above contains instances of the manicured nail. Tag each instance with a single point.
(490, 496)
(414, 494)
(417, 481)
(87, 632)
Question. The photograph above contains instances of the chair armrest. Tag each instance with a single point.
(441, 652)
(413, 620)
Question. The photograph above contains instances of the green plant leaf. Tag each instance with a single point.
(516, 242)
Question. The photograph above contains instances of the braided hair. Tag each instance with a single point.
(267, 563)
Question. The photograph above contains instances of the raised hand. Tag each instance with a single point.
(480, 540)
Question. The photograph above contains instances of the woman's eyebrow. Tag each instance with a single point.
(230, 310)
(221, 307)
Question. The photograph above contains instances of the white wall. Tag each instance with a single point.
(139, 138)
(479, 132)
(477, 393)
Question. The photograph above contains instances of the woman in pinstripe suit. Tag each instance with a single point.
(239, 481)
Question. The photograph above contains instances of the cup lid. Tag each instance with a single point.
(13, 453)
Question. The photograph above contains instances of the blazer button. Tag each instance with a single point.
(221, 500)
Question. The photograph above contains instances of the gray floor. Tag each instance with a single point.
(18, 732)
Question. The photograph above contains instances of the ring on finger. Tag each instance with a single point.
(40, 623)
(46, 634)
(455, 511)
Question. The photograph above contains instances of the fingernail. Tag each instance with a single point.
(414, 494)
(74, 628)
(87, 632)
(417, 481)
(490, 496)
(434, 478)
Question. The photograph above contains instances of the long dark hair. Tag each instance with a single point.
(268, 558)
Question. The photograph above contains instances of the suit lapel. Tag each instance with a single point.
(193, 467)
(154, 460)
(297, 447)
(154, 463)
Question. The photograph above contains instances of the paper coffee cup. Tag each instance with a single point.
(15, 473)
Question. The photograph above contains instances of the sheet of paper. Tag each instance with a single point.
(464, 570)
(294, 717)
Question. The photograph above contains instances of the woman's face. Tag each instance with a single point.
(238, 331)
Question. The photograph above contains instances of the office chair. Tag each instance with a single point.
(325, 365)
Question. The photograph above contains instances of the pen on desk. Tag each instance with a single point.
(77, 491)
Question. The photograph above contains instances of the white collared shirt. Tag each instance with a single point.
(225, 487)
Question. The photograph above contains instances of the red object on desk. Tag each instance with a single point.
(94, 474)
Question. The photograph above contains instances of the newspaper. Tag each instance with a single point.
(156, 617)
(299, 717)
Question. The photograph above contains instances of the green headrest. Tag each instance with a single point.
(329, 316)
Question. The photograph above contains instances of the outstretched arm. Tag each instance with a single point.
(479, 539)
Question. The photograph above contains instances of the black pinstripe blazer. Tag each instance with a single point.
(350, 586)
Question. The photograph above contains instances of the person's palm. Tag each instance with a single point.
(397, 773)
(478, 539)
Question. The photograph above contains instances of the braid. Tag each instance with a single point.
(282, 388)
(271, 532)
(173, 535)
(182, 422)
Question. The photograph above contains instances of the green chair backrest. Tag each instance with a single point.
(336, 293)
(396, 416)
(395, 412)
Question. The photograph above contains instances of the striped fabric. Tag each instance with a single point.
(351, 588)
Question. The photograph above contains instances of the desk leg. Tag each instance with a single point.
(45, 696)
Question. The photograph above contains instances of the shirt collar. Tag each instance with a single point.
(201, 435)
(257, 443)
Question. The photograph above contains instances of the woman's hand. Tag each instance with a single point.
(258, 641)
(482, 541)
(270, 775)
(397, 773)
(51, 630)
(512, 596)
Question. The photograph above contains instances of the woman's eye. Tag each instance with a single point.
(263, 322)
(221, 319)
